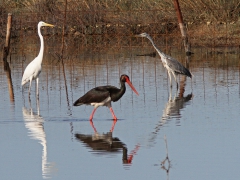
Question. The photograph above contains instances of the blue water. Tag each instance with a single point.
(200, 121)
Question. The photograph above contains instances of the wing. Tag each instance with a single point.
(111, 89)
(176, 66)
(33, 69)
(115, 93)
(95, 95)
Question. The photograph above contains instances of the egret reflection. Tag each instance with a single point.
(35, 124)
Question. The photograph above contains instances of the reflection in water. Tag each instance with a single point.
(166, 163)
(105, 143)
(34, 123)
(127, 158)
(216, 80)
(101, 143)
(173, 108)
(7, 69)
(174, 105)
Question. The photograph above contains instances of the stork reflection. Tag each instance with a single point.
(101, 142)
(35, 124)
(105, 143)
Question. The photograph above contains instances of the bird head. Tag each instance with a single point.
(142, 35)
(125, 78)
(41, 23)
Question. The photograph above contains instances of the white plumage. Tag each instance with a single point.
(34, 68)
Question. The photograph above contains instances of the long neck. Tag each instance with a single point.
(119, 93)
(40, 55)
(122, 88)
(158, 50)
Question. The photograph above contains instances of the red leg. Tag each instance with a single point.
(95, 130)
(91, 117)
(113, 115)
(113, 125)
(133, 152)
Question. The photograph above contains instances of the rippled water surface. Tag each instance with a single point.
(50, 138)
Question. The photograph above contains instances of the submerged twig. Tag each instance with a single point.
(166, 159)
(61, 58)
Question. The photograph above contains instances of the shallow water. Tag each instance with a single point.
(50, 138)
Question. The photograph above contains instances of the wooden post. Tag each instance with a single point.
(5, 55)
(9, 26)
(8, 35)
(7, 69)
(63, 29)
(7, 43)
(182, 28)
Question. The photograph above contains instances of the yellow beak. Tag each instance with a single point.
(46, 24)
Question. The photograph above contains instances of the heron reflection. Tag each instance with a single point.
(35, 124)
(174, 106)
(172, 110)
(105, 143)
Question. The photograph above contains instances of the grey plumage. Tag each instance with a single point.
(171, 64)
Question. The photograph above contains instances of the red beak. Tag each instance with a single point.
(130, 84)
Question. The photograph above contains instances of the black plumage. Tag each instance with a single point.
(103, 95)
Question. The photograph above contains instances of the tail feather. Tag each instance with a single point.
(187, 73)
(77, 103)
(24, 81)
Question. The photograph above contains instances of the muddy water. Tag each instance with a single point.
(50, 138)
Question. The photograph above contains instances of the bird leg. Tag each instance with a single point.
(37, 88)
(170, 78)
(38, 109)
(113, 115)
(175, 77)
(29, 101)
(95, 130)
(91, 117)
(170, 96)
(30, 84)
(113, 125)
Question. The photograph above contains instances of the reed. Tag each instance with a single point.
(90, 12)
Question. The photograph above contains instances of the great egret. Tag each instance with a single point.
(171, 64)
(103, 95)
(33, 69)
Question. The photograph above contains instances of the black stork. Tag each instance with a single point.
(103, 95)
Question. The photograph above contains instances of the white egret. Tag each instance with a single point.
(33, 69)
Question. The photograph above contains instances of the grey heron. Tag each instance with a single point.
(171, 64)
